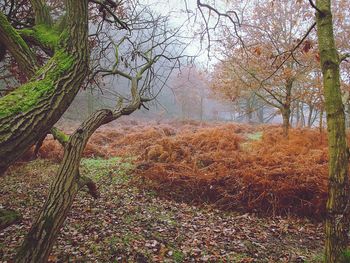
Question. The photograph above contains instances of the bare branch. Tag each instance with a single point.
(290, 52)
(315, 7)
(344, 57)
(110, 12)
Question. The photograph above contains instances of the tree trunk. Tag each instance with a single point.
(285, 110)
(348, 115)
(309, 118)
(286, 123)
(29, 112)
(298, 114)
(38, 244)
(321, 121)
(249, 110)
(302, 115)
(337, 221)
(260, 113)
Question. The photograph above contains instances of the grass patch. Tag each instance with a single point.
(178, 256)
(256, 136)
(98, 168)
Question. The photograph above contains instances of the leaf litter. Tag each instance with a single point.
(245, 171)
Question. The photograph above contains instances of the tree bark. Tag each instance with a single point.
(298, 123)
(286, 121)
(309, 118)
(38, 244)
(337, 221)
(29, 112)
(40, 239)
(285, 110)
(13, 42)
(321, 121)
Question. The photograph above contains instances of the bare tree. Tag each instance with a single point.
(130, 49)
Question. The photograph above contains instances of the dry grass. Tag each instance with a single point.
(221, 164)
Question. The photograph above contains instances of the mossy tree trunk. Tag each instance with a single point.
(30, 111)
(337, 221)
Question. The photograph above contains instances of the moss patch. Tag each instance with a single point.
(13, 33)
(27, 96)
(8, 217)
(47, 36)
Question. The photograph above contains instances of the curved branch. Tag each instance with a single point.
(17, 46)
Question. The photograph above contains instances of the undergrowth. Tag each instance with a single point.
(231, 166)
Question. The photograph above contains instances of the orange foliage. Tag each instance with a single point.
(220, 165)
(272, 176)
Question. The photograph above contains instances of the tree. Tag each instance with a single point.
(190, 89)
(337, 221)
(29, 112)
(262, 66)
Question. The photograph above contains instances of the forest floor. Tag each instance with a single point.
(131, 225)
(182, 192)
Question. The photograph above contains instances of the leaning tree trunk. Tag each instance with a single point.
(40, 239)
(38, 244)
(337, 221)
(29, 112)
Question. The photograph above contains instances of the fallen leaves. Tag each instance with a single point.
(128, 224)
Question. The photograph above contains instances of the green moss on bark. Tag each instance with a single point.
(9, 30)
(27, 96)
(45, 35)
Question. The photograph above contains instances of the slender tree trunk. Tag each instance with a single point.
(286, 107)
(309, 118)
(302, 115)
(321, 121)
(348, 115)
(39, 242)
(249, 110)
(298, 113)
(337, 221)
(286, 121)
(260, 113)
